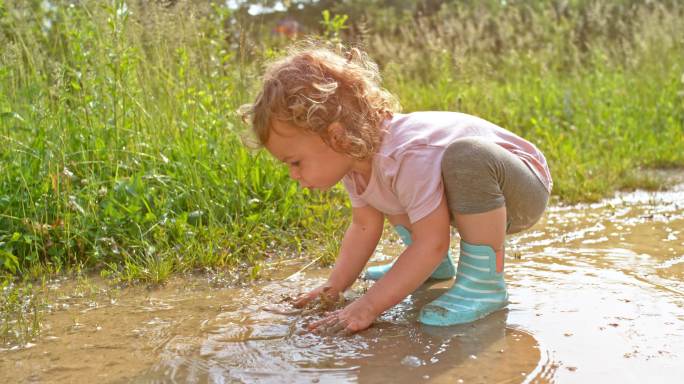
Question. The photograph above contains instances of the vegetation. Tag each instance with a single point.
(123, 151)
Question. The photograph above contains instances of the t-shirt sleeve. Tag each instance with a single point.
(418, 182)
(350, 186)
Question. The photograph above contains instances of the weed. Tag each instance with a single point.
(21, 311)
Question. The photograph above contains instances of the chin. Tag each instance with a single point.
(326, 188)
(314, 188)
(322, 187)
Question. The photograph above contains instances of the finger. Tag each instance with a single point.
(300, 301)
(316, 324)
(337, 328)
(303, 299)
(354, 327)
(341, 327)
(324, 322)
(331, 328)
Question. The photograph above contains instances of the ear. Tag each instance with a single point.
(338, 139)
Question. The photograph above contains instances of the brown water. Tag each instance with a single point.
(596, 291)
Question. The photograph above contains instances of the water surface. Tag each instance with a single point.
(596, 291)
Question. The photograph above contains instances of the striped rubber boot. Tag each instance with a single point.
(478, 291)
(445, 269)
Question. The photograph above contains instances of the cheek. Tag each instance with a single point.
(307, 172)
(315, 173)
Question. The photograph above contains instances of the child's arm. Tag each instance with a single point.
(416, 263)
(358, 244)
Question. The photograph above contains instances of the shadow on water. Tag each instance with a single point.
(254, 345)
(596, 295)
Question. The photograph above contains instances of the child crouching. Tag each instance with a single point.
(326, 116)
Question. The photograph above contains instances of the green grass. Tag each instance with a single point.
(123, 151)
(602, 99)
(126, 155)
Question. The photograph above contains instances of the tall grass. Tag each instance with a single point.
(123, 150)
(123, 146)
(598, 86)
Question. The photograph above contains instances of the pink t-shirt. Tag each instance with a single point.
(406, 175)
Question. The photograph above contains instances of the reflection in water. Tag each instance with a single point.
(253, 345)
(596, 290)
(602, 286)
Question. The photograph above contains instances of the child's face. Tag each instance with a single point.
(312, 162)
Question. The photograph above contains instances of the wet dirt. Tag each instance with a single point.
(596, 295)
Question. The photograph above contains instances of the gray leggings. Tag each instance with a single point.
(480, 176)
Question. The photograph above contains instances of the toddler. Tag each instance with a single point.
(326, 116)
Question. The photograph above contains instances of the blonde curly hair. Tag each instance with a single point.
(314, 86)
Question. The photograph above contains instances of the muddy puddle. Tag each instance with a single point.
(596, 295)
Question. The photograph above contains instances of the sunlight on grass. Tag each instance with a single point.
(124, 152)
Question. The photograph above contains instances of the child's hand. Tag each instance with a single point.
(326, 293)
(355, 317)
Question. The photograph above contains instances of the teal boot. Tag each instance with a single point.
(478, 291)
(445, 269)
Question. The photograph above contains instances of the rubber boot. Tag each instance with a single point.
(478, 290)
(445, 269)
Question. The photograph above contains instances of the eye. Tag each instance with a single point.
(294, 163)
